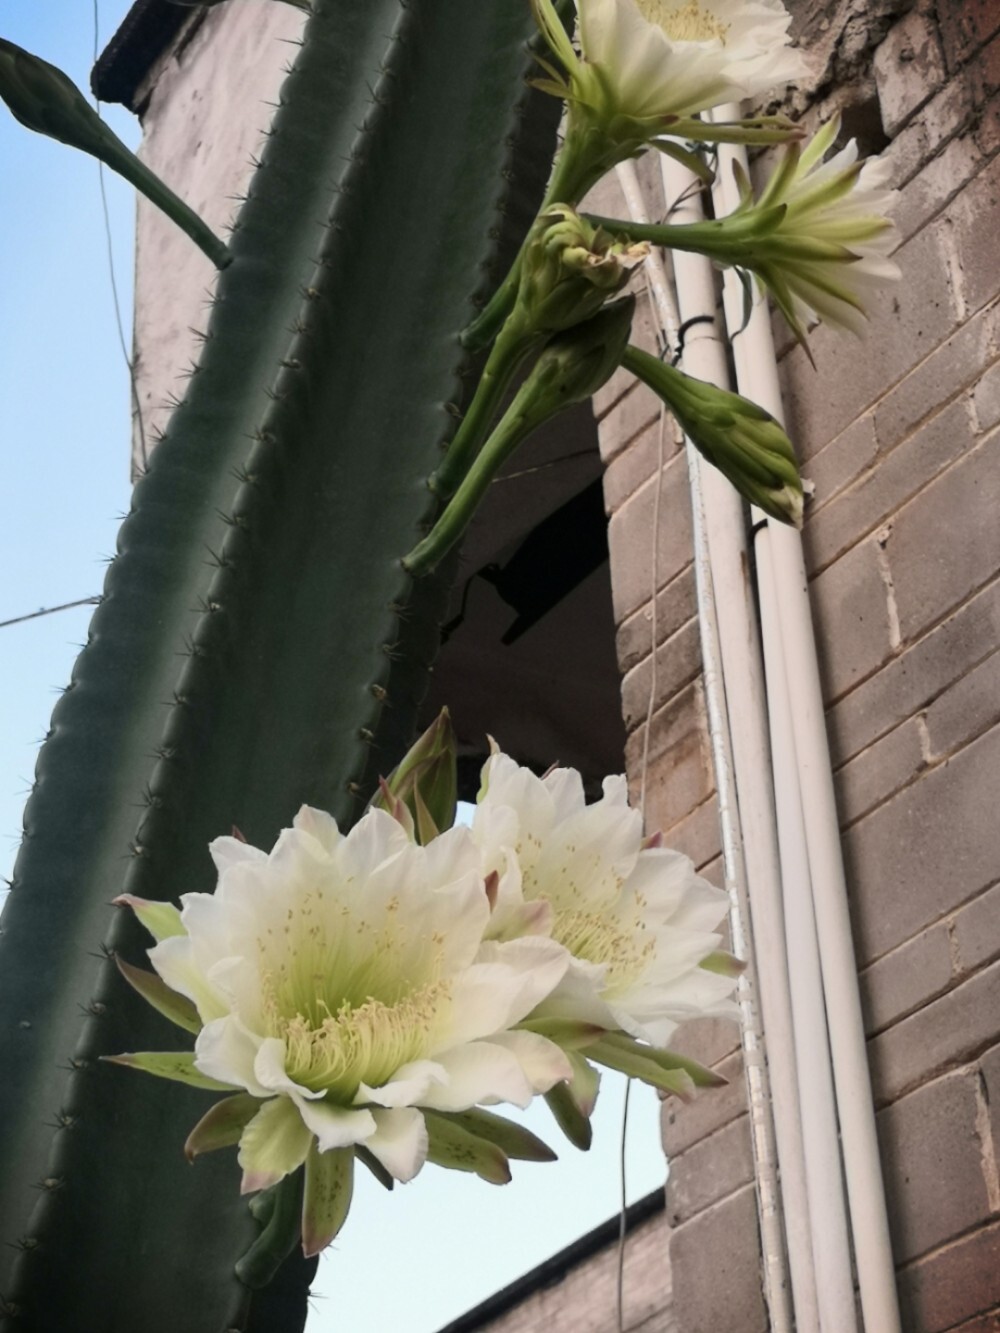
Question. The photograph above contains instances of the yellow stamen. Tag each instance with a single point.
(683, 23)
(595, 938)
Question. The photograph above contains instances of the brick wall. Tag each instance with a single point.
(577, 1291)
(900, 434)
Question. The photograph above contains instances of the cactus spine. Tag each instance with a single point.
(258, 644)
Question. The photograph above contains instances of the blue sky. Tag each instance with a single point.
(418, 1258)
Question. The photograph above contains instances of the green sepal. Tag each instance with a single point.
(162, 920)
(222, 1125)
(724, 963)
(155, 991)
(569, 1117)
(569, 1033)
(175, 1065)
(661, 1068)
(513, 1140)
(329, 1189)
(451, 1146)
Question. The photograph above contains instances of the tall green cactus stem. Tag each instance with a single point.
(258, 644)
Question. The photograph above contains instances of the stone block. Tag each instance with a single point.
(685, 1123)
(931, 1158)
(907, 321)
(937, 183)
(929, 849)
(680, 771)
(697, 834)
(838, 463)
(678, 662)
(955, 1284)
(715, 1260)
(621, 423)
(948, 1032)
(984, 1323)
(965, 710)
(917, 676)
(878, 772)
(986, 130)
(711, 1041)
(709, 1171)
(630, 538)
(966, 26)
(986, 399)
(903, 980)
(976, 931)
(972, 220)
(953, 366)
(675, 605)
(638, 462)
(936, 561)
(852, 619)
(909, 68)
(989, 1068)
(893, 478)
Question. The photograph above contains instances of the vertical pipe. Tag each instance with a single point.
(729, 561)
(758, 377)
(775, 1272)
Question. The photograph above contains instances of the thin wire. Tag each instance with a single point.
(48, 611)
(119, 323)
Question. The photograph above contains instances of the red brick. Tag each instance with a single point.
(936, 561)
(630, 538)
(907, 978)
(685, 1123)
(918, 675)
(853, 625)
(909, 67)
(948, 1032)
(955, 1284)
(680, 771)
(894, 477)
(965, 25)
(931, 1157)
(931, 848)
(709, 1171)
(716, 1265)
(676, 603)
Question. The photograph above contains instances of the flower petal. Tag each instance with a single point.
(273, 1145)
(399, 1142)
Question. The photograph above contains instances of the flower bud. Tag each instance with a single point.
(744, 442)
(421, 793)
(570, 269)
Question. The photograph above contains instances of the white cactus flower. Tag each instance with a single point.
(840, 204)
(659, 58)
(344, 984)
(636, 918)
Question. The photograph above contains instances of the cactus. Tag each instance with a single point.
(259, 643)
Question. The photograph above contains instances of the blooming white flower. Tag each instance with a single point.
(835, 211)
(636, 918)
(660, 58)
(655, 62)
(344, 984)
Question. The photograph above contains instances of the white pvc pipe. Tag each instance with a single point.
(831, 1243)
(758, 378)
(704, 356)
(777, 1288)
